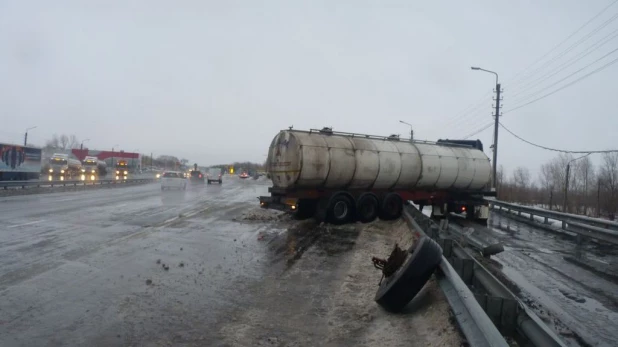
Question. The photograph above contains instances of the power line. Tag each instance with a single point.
(571, 74)
(479, 130)
(568, 63)
(565, 86)
(565, 40)
(472, 109)
(554, 149)
(473, 125)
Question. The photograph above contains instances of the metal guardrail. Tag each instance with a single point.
(581, 225)
(494, 311)
(37, 184)
(485, 248)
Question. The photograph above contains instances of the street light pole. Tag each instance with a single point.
(26, 135)
(411, 130)
(81, 146)
(566, 182)
(496, 123)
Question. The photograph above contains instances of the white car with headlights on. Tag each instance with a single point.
(173, 180)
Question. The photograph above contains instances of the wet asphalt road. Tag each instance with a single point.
(583, 300)
(87, 268)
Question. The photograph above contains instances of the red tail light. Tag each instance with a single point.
(200, 175)
(463, 209)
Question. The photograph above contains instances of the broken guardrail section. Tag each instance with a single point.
(496, 312)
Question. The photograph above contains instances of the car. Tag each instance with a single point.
(196, 176)
(173, 179)
(244, 175)
(214, 175)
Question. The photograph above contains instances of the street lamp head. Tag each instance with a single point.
(475, 68)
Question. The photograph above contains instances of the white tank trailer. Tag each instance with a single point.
(344, 177)
(62, 167)
(92, 168)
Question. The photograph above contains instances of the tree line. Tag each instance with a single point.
(590, 190)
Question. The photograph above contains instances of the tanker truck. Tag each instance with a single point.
(62, 167)
(122, 169)
(345, 177)
(92, 168)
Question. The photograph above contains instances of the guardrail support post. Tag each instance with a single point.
(564, 224)
(531, 216)
(546, 220)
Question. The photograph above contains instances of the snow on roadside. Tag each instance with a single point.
(426, 320)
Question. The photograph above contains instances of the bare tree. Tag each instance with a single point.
(54, 142)
(499, 177)
(521, 177)
(583, 184)
(521, 182)
(73, 142)
(64, 141)
(609, 181)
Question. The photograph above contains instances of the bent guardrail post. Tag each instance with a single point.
(472, 319)
(501, 306)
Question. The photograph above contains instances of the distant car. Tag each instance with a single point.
(196, 176)
(244, 175)
(173, 179)
(214, 175)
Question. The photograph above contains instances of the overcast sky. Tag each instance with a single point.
(213, 81)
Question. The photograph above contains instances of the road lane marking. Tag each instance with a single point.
(21, 225)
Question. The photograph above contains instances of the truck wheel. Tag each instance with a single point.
(398, 290)
(391, 207)
(208, 182)
(220, 181)
(367, 208)
(340, 209)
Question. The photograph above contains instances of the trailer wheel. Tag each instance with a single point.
(340, 209)
(367, 207)
(391, 207)
(399, 289)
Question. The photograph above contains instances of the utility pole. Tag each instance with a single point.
(566, 188)
(496, 124)
(566, 183)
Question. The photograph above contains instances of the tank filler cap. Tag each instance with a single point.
(327, 130)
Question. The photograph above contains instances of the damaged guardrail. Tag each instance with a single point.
(38, 184)
(496, 312)
(487, 249)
